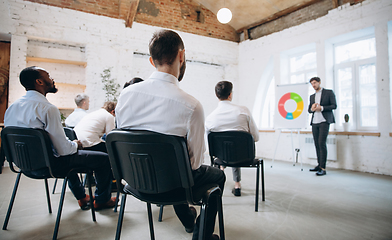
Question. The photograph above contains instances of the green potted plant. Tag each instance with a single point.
(109, 85)
(346, 123)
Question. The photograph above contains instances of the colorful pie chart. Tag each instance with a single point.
(297, 112)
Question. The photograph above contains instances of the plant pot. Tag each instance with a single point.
(346, 126)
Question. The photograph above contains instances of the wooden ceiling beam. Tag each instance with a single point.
(335, 3)
(127, 11)
(279, 14)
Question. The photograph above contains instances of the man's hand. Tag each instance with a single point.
(316, 107)
(80, 146)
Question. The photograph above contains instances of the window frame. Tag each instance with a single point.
(355, 120)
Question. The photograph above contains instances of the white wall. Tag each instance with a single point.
(108, 43)
(369, 154)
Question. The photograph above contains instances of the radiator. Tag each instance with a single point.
(331, 147)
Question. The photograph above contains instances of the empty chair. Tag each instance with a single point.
(236, 149)
(30, 150)
(157, 170)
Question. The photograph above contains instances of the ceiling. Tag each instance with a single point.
(251, 13)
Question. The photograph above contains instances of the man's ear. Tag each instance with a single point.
(182, 55)
(39, 82)
(152, 62)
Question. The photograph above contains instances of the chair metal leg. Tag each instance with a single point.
(220, 216)
(262, 180)
(203, 219)
(54, 186)
(60, 209)
(121, 217)
(117, 199)
(90, 191)
(47, 195)
(160, 213)
(257, 187)
(7, 218)
(150, 221)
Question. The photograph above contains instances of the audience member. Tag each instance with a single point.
(82, 105)
(230, 117)
(38, 112)
(159, 105)
(94, 125)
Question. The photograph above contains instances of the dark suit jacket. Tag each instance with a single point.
(328, 102)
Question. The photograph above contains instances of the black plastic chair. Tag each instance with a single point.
(30, 150)
(236, 149)
(157, 170)
(71, 135)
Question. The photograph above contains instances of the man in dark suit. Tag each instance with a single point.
(321, 105)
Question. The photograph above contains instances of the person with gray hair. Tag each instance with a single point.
(83, 103)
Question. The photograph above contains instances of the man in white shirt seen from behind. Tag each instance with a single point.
(94, 125)
(83, 103)
(33, 110)
(230, 117)
(158, 104)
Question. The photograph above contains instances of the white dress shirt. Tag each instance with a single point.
(230, 117)
(318, 116)
(158, 104)
(33, 110)
(75, 117)
(93, 126)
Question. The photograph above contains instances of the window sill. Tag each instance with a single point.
(355, 133)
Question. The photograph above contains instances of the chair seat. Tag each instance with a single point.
(247, 163)
(176, 196)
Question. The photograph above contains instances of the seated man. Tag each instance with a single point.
(83, 103)
(94, 125)
(159, 105)
(38, 112)
(230, 117)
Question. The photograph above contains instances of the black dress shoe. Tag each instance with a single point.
(321, 172)
(194, 212)
(236, 192)
(315, 169)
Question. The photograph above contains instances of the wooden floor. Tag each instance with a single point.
(299, 205)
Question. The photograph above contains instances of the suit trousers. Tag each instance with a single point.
(99, 163)
(201, 177)
(320, 133)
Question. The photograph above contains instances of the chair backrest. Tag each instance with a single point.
(149, 162)
(232, 147)
(29, 149)
(70, 133)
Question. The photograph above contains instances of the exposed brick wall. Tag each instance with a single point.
(182, 15)
(308, 13)
(296, 18)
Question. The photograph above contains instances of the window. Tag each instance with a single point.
(303, 67)
(355, 82)
(267, 116)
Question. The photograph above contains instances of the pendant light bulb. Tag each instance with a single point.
(224, 15)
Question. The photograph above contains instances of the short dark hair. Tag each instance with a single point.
(223, 90)
(315, 79)
(28, 76)
(164, 46)
(133, 81)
